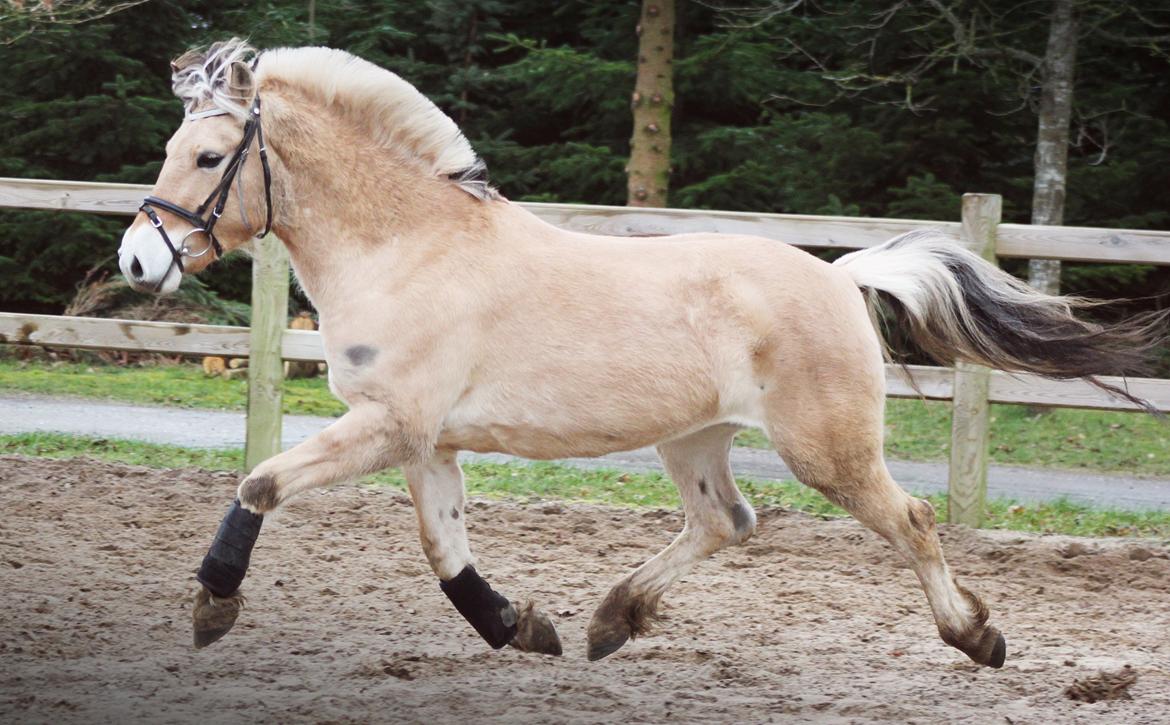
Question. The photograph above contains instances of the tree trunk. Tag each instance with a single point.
(1051, 165)
(649, 168)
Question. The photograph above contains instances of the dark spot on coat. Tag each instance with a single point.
(702, 486)
(359, 355)
(454, 512)
(260, 493)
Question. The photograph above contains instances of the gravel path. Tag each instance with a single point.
(225, 429)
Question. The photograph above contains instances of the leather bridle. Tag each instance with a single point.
(217, 199)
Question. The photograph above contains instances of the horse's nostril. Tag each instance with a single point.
(136, 268)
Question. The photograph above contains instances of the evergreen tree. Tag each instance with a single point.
(542, 91)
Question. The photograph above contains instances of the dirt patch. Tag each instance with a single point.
(810, 620)
(1103, 686)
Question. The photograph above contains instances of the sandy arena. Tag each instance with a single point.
(811, 620)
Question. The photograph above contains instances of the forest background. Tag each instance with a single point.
(891, 108)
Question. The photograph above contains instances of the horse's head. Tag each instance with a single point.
(214, 192)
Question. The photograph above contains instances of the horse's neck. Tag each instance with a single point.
(350, 212)
(349, 233)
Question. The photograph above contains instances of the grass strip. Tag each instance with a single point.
(556, 481)
(172, 385)
(1131, 443)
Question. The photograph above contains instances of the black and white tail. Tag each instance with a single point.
(955, 305)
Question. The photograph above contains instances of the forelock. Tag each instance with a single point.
(220, 75)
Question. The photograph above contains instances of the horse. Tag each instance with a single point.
(454, 320)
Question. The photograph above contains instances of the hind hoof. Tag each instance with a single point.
(603, 645)
(998, 653)
(213, 617)
(622, 616)
(607, 633)
(989, 648)
(535, 632)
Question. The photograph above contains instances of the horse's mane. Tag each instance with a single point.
(393, 111)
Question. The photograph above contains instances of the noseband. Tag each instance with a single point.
(218, 197)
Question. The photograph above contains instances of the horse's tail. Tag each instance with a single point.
(955, 305)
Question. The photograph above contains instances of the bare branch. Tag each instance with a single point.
(21, 19)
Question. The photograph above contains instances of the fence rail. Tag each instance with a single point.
(970, 387)
(171, 338)
(1073, 244)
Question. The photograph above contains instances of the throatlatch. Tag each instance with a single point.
(227, 560)
(489, 612)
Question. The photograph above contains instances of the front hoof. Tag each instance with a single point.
(535, 632)
(213, 616)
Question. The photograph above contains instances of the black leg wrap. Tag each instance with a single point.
(492, 615)
(226, 562)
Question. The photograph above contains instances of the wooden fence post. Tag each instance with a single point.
(970, 412)
(265, 365)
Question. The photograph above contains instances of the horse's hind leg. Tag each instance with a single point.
(831, 437)
(438, 493)
(716, 516)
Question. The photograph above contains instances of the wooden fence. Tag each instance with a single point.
(970, 387)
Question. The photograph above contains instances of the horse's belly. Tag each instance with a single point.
(533, 426)
(535, 442)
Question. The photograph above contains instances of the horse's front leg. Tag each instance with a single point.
(364, 440)
(438, 493)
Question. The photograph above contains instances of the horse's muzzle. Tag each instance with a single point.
(145, 263)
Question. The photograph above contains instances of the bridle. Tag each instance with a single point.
(218, 197)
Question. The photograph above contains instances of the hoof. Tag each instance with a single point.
(535, 632)
(213, 617)
(988, 648)
(621, 617)
(998, 653)
(603, 644)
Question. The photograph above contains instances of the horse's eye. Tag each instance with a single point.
(209, 160)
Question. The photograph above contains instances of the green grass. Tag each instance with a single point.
(553, 481)
(172, 385)
(1133, 443)
(915, 430)
(57, 445)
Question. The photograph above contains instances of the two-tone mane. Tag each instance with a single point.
(227, 75)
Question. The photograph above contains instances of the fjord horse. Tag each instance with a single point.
(455, 320)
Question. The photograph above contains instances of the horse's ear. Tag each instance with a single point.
(186, 60)
(240, 79)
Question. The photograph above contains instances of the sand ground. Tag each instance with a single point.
(811, 620)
